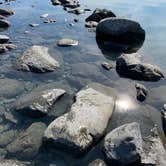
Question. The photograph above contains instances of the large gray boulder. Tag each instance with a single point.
(27, 145)
(38, 103)
(100, 14)
(123, 145)
(37, 59)
(130, 66)
(127, 35)
(86, 122)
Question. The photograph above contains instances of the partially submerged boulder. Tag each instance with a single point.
(119, 33)
(66, 3)
(123, 145)
(100, 14)
(85, 124)
(27, 145)
(37, 59)
(4, 39)
(6, 12)
(37, 103)
(130, 66)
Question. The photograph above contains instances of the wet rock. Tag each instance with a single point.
(33, 25)
(129, 65)
(97, 162)
(76, 20)
(6, 162)
(2, 17)
(4, 39)
(67, 42)
(26, 146)
(100, 14)
(10, 88)
(142, 92)
(3, 153)
(107, 65)
(7, 137)
(4, 24)
(6, 47)
(79, 129)
(37, 59)
(127, 35)
(123, 145)
(49, 20)
(76, 11)
(66, 3)
(38, 103)
(44, 15)
(163, 116)
(6, 12)
(91, 24)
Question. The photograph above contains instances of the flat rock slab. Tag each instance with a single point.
(130, 66)
(123, 145)
(37, 59)
(38, 103)
(67, 42)
(27, 144)
(79, 129)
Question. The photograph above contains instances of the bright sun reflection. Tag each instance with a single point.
(125, 102)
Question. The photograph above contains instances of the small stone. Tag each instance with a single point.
(33, 25)
(4, 39)
(67, 42)
(49, 21)
(142, 92)
(107, 65)
(76, 20)
(44, 15)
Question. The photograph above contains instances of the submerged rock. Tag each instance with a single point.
(38, 103)
(6, 12)
(129, 65)
(142, 92)
(37, 59)
(107, 65)
(120, 33)
(123, 145)
(100, 14)
(67, 42)
(79, 129)
(6, 47)
(26, 146)
(6, 162)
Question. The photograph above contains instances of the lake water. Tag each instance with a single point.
(81, 65)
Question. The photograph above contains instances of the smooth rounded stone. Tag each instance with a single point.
(6, 162)
(67, 42)
(79, 129)
(97, 162)
(7, 137)
(4, 39)
(123, 145)
(6, 12)
(37, 59)
(100, 14)
(142, 92)
(27, 145)
(91, 24)
(10, 88)
(33, 25)
(38, 103)
(122, 34)
(130, 66)
(44, 15)
(4, 24)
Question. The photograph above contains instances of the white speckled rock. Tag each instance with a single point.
(85, 124)
(37, 59)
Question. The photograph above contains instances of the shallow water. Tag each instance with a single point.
(82, 64)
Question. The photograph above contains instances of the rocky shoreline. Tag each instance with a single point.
(129, 132)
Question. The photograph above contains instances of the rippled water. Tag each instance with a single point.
(82, 64)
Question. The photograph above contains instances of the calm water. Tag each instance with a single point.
(82, 64)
